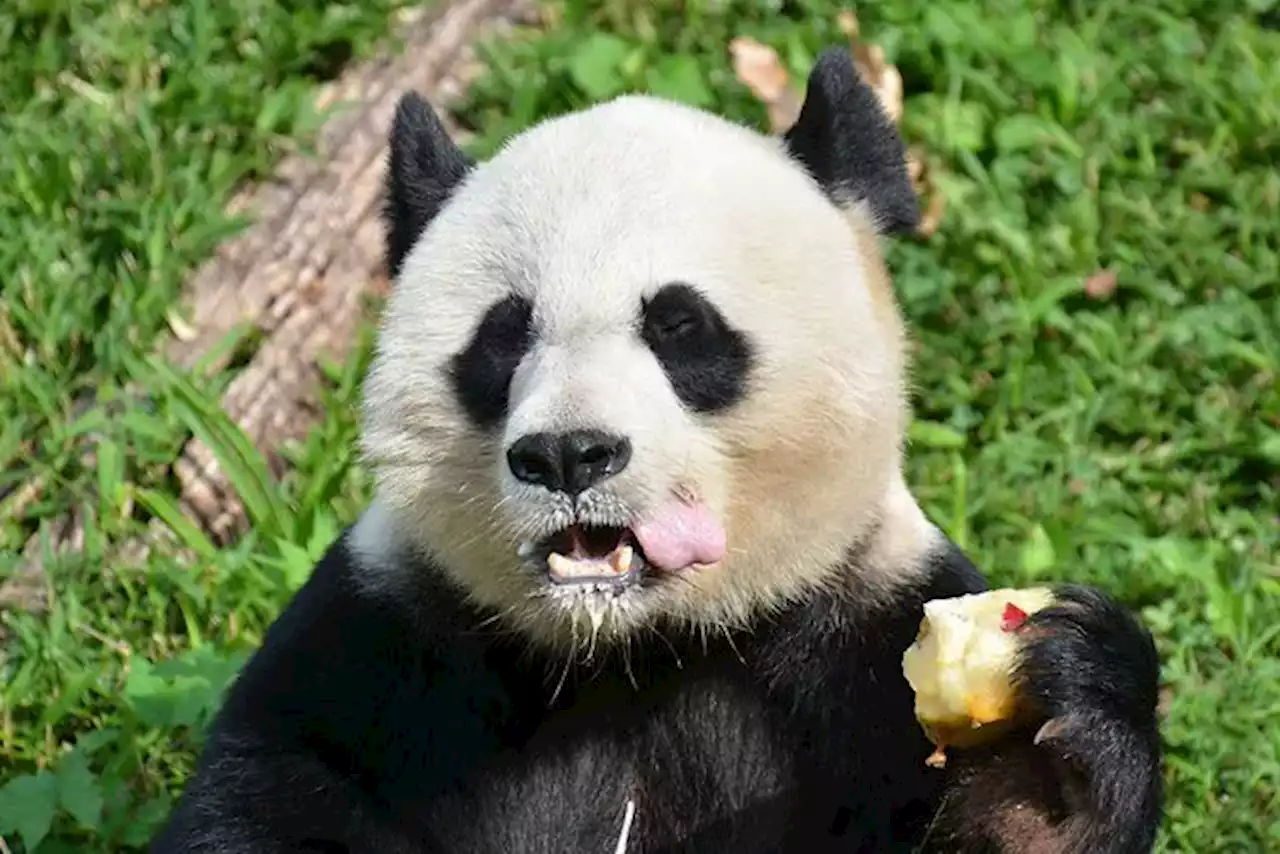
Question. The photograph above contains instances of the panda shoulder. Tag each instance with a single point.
(365, 619)
(371, 573)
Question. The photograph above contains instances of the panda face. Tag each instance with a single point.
(638, 365)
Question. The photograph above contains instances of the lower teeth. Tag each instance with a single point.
(617, 563)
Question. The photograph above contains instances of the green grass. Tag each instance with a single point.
(1131, 441)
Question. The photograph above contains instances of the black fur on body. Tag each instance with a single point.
(380, 724)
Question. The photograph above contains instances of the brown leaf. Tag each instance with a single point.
(932, 216)
(883, 78)
(758, 67)
(935, 204)
(847, 21)
(886, 81)
(1101, 284)
(915, 169)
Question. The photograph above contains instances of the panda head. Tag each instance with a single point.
(643, 364)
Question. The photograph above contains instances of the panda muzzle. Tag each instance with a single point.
(678, 536)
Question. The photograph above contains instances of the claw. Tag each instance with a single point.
(1054, 728)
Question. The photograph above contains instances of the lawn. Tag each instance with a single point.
(1097, 322)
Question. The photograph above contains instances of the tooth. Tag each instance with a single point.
(525, 549)
(621, 559)
(560, 565)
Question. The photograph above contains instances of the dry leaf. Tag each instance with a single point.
(934, 208)
(758, 67)
(847, 21)
(918, 170)
(935, 204)
(1101, 284)
(884, 79)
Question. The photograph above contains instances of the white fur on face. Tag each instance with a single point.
(584, 216)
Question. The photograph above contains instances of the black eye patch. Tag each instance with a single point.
(706, 360)
(481, 374)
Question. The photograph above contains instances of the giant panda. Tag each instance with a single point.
(641, 564)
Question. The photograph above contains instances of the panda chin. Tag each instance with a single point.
(591, 556)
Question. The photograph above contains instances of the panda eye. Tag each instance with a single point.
(680, 324)
(676, 315)
(481, 374)
(703, 356)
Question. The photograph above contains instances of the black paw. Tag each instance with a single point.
(1088, 655)
(1091, 670)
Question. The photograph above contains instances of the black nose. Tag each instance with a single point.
(568, 462)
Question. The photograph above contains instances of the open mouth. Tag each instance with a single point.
(587, 554)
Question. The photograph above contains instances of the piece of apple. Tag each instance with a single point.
(961, 663)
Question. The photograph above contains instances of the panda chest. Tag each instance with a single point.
(703, 760)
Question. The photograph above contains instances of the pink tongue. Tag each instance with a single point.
(680, 534)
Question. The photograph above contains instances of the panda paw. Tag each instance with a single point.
(1087, 662)
(1091, 670)
(1084, 778)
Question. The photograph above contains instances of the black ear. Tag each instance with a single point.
(425, 167)
(849, 144)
